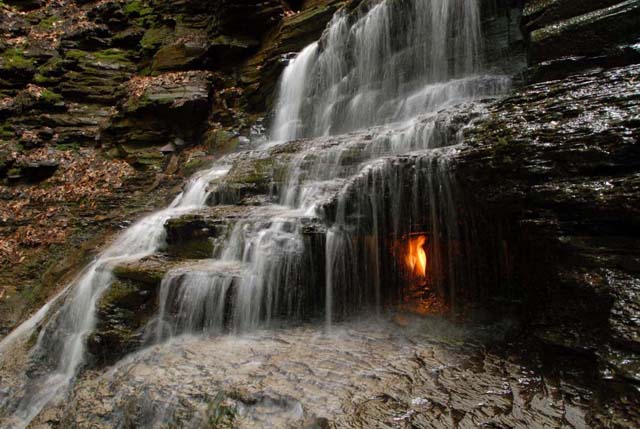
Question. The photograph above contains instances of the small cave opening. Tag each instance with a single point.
(416, 274)
(414, 266)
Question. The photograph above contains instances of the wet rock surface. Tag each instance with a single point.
(428, 374)
(568, 37)
(559, 162)
(553, 171)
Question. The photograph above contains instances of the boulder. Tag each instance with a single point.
(158, 111)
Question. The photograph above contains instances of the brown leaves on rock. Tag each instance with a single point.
(34, 90)
(44, 214)
(138, 85)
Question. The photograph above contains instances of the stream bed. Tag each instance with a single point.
(394, 372)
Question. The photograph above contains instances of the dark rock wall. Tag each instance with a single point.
(556, 167)
(91, 62)
(568, 37)
(504, 43)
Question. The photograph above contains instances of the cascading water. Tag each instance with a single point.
(391, 63)
(390, 66)
(387, 64)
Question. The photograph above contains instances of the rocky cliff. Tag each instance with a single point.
(557, 166)
(107, 106)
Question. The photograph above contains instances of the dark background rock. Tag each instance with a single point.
(558, 165)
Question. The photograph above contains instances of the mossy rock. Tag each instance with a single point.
(51, 71)
(14, 60)
(49, 97)
(193, 236)
(221, 141)
(154, 38)
(126, 294)
(138, 9)
(122, 312)
(113, 55)
(49, 23)
(149, 271)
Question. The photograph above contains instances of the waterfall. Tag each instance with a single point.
(385, 72)
(393, 63)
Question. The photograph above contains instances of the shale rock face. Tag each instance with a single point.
(90, 57)
(150, 90)
(170, 108)
(560, 161)
(556, 165)
(570, 37)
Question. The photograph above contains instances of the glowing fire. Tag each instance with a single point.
(416, 258)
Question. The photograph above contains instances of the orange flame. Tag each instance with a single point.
(416, 258)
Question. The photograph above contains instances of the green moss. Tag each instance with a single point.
(36, 292)
(14, 172)
(143, 13)
(52, 66)
(14, 59)
(150, 275)
(135, 103)
(40, 79)
(117, 293)
(50, 97)
(75, 54)
(6, 132)
(194, 165)
(154, 38)
(137, 8)
(258, 173)
(111, 55)
(48, 23)
(133, 7)
(68, 146)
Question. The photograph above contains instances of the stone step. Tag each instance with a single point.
(129, 305)
(151, 270)
(203, 233)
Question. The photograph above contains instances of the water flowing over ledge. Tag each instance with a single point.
(392, 71)
(386, 63)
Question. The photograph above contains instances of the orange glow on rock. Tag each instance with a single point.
(416, 258)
